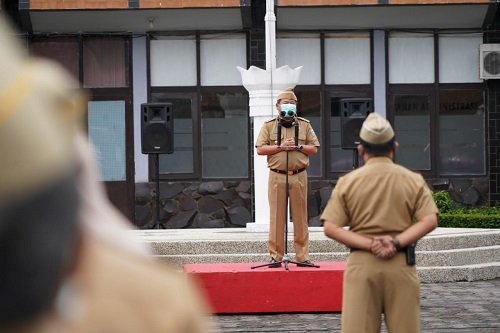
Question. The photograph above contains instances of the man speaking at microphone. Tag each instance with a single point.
(287, 134)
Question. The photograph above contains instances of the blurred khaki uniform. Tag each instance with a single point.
(115, 291)
(297, 161)
(87, 274)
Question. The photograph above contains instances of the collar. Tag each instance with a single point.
(286, 123)
(379, 159)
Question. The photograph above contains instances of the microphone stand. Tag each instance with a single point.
(286, 258)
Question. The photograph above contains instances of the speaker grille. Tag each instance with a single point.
(156, 139)
(350, 133)
(353, 113)
(157, 128)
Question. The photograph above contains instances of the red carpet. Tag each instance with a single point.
(237, 288)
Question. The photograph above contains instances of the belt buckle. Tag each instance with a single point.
(290, 173)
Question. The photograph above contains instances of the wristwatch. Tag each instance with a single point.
(396, 244)
(301, 147)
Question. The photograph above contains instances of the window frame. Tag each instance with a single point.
(433, 91)
(195, 94)
(465, 86)
(331, 92)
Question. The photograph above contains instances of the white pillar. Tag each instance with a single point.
(270, 22)
(379, 70)
(264, 86)
(140, 84)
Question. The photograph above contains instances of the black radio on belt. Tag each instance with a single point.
(409, 251)
(410, 254)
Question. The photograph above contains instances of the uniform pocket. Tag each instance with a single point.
(302, 138)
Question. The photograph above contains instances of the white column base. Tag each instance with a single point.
(264, 227)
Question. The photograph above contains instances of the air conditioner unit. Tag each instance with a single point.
(489, 61)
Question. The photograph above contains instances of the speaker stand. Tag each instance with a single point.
(158, 224)
(355, 158)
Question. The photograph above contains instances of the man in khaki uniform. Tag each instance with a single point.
(67, 261)
(379, 202)
(292, 127)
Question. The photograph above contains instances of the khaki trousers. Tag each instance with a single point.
(374, 286)
(298, 208)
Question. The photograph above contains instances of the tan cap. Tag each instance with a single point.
(37, 120)
(376, 130)
(287, 94)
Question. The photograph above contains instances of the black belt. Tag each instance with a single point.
(353, 249)
(289, 172)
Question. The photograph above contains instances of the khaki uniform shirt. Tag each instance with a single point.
(379, 198)
(296, 160)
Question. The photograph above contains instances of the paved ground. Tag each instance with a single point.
(458, 307)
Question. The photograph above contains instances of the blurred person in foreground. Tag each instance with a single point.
(68, 263)
(387, 208)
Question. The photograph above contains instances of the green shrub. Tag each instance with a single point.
(469, 220)
(444, 201)
(452, 216)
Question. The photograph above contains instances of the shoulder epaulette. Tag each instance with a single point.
(303, 119)
(269, 120)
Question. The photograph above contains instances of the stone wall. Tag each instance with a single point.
(229, 204)
(221, 204)
(466, 192)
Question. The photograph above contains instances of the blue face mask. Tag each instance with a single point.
(288, 110)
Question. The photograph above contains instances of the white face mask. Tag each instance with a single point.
(288, 110)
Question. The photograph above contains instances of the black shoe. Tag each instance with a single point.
(274, 264)
(306, 263)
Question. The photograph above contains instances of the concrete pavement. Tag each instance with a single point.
(458, 307)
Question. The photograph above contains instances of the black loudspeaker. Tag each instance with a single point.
(353, 113)
(157, 128)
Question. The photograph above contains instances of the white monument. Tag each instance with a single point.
(264, 87)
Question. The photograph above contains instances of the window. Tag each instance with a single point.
(344, 159)
(459, 51)
(64, 50)
(107, 133)
(181, 161)
(440, 127)
(461, 132)
(300, 51)
(309, 107)
(211, 129)
(224, 135)
(219, 57)
(173, 62)
(411, 58)
(105, 62)
(412, 128)
(347, 59)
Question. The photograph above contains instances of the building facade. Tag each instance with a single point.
(418, 64)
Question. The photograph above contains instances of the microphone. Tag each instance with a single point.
(279, 134)
(296, 133)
